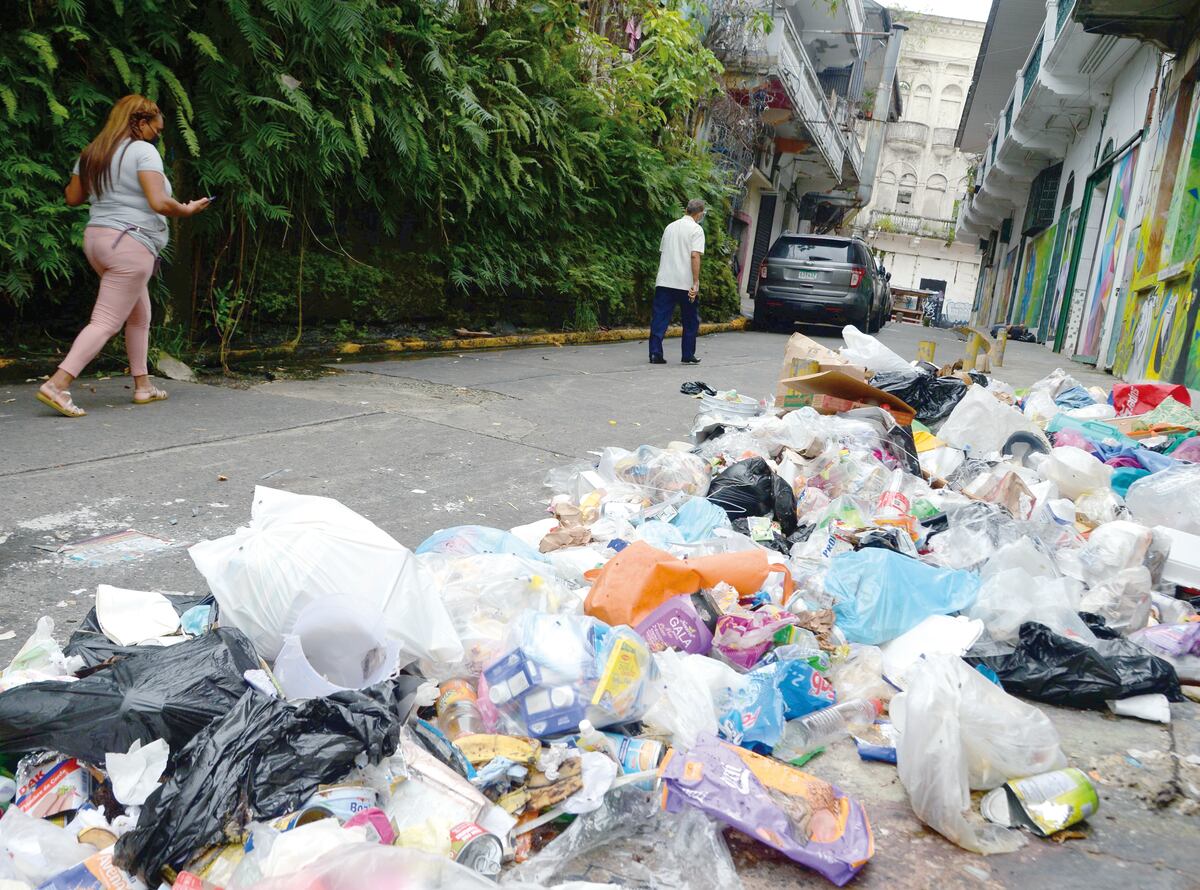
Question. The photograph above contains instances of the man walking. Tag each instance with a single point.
(678, 283)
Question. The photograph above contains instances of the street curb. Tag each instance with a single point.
(416, 346)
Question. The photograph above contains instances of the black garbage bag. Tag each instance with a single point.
(1051, 668)
(166, 693)
(91, 644)
(745, 489)
(263, 759)
(904, 449)
(932, 397)
(785, 505)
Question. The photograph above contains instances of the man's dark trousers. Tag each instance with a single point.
(665, 301)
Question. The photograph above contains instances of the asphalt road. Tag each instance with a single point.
(422, 444)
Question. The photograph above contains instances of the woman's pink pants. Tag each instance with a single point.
(124, 267)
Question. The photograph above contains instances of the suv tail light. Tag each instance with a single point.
(856, 275)
(762, 270)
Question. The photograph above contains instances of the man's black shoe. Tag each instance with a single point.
(691, 361)
(657, 360)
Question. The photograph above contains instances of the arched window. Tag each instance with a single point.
(904, 193)
(1068, 194)
(935, 197)
(885, 201)
(950, 106)
(919, 105)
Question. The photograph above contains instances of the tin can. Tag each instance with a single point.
(1045, 803)
(637, 756)
(475, 847)
(343, 801)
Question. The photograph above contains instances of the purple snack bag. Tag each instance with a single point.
(676, 625)
(808, 820)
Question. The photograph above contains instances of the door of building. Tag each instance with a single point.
(762, 237)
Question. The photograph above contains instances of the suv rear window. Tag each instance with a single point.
(817, 250)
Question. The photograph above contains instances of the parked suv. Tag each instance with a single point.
(821, 279)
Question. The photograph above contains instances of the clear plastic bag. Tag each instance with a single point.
(1122, 599)
(860, 675)
(41, 658)
(1168, 498)
(959, 732)
(1073, 470)
(556, 670)
(483, 594)
(631, 842)
(1009, 598)
(661, 473)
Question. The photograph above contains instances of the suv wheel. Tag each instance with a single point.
(762, 320)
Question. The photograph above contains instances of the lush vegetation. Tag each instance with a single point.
(374, 161)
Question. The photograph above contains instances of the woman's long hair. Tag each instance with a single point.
(123, 123)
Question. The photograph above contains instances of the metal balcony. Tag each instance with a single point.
(908, 136)
(1032, 67)
(1064, 14)
(910, 224)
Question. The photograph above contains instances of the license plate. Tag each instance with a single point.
(807, 275)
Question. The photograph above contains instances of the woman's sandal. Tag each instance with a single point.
(60, 400)
(146, 396)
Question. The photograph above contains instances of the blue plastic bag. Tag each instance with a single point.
(804, 688)
(753, 715)
(470, 540)
(879, 594)
(699, 518)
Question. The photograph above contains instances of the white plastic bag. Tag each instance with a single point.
(35, 850)
(980, 423)
(1075, 471)
(863, 349)
(41, 658)
(337, 644)
(1168, 498)
(958, 732)
(686, 708)
(1009, 598)
(299, 549)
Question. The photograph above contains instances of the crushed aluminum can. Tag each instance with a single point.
(1044, 804)
(476, 848)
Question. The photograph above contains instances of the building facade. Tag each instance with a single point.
(922, 174)
(807, 92)
(1085, 205)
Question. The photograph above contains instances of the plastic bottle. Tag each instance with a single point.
(457, 712)
(825, 726)
(591, 739)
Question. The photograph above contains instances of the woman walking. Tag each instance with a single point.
(120, 174)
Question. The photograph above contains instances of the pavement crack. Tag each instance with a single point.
(32, 471)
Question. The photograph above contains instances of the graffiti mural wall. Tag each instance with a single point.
(1033, 281)
(1159, 339)
(1104, 279)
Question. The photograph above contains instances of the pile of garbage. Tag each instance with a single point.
(604, 694)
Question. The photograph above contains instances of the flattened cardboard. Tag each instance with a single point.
(800, 352)
(830, 392)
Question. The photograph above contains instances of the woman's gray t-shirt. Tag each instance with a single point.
(123, 203)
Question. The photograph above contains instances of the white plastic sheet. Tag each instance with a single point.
(863, 349)
(980, 423)
(299, 549)
(959, 732)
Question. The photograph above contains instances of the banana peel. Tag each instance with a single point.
(483, 748)
(544, 793)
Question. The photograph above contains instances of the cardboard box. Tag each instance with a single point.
(798, 358)
(831, 392)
